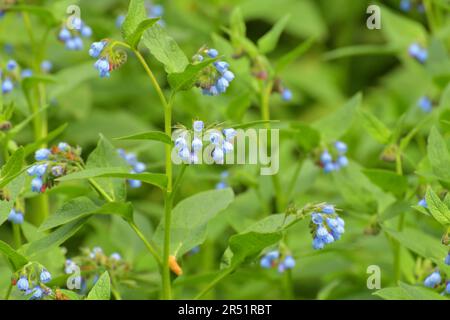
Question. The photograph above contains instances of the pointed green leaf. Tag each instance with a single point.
(185, 80)
(269, 41)
(437, 208)
(388, 181)
(101, 289)
(294, 54)
(150, 135)
(12, 168)
(17, 260)
(374, 126)
(136, 22)
(438, 155)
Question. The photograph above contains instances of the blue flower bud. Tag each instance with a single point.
(265, 263)
(321, 232)
(36, 184)
(289, 262)
(63, 146)
(40, 169)
(229, 133)
(157, 10)
(342, 161)
(102, 65)
(134, 183)
(23, 284)
(184, 154)
(221, 185)
(57, 171)
(423, 203)
(318, 244)
(214, 91)
(341, 147)
(97, 48)
(425, 104)
(329, 167)
(45, 276)
(212, 53)
(447, 260)
(228, 75)
(215, 138)
(194, 158)
(224, 174)
(332, 223)
(119, 21)
(405, 5)
(273, 255)
(64, 35)
(328, 239)
(198, 126)
(26, 73)
(11, 65)
(286, 94)
(86, 32)
(227, 147)
(139, 167)
(316, 218)
(7, 86)
(328, 209)
(218, 155)
(222, 84)
(325, 157)
(281, 267)
(221, 66)
(42, 154)
(197, 144)
(180, 143)
(433, 280)
(46, 66)
(115, 256)
(37, 293)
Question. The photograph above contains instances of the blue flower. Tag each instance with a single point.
(37, 293)
(218, 155)
(15, 217)
(97, 48)
(86, 31)
(405, 5)
(36, 184)
(11, 65)
(23, 284)
(212, 53)
(227, 147)
(197, 144)
(134, 183)
(286, 94)
(425, 104)
(45, 276)
(222, 85)
(42, 154)
(316, 218)
(221, 66)
(328, 209)
(228, 75)
(318, 243)
(102, 65)
(342, 161)
(341, 147)
(433, 280)
(326, 157)
(198, 126)
(447, 259)
(7, 86)
(289, 262)
(115, 256)
(180, 142)
(329, 167)
(184, 154)
(38, 170)
(57, 171)
(221, 185)
(26, 73)
(139, 167)
(417, 52)
(423, 203)
(447, 288)
(46, 66)
(119, 21)
(266, 263)
(215, 138)
(64, 35)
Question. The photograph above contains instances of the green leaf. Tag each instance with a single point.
(185, 80)
(41, 12)
(165, 49)
(136, 22)
(254, 124)
(5, 209)
(437, 208)
(190, 218)
(12, 168)
(156, 179)
(307, 137)
(374, 127)
(70, 294)
(361, 50)
(30, 148)
(104, 157)
(269, 41)
(438, 155)
(101, 289)
(15, 258)
(294, 54)
(408, 292)
(237, 23)
(82, 207)
(336, 124)
(388, 181)
(150, 135)
(55, 238)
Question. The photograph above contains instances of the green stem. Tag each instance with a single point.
(288, 287)
(149, 246)
(8, 292)
(401, 221)
(16, 235)
(213, 283)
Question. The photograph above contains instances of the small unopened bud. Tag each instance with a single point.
(174, 266)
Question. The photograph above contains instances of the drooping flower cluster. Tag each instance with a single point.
(222, 184)
(215, 78)
(326, 226)
(436, 280)
(92, 263)
(107, 58)
(425, 104)
(274, 259)
(32, 280)
(407, 5)
(221, 143)
(418, 52)
(15, 216)
(336, 160)
(137, 166)
(72, 37)
(51, 164)
(153, 11)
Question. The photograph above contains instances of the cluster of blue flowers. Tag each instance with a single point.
(407, 5)
(326, 158)
(326, 227)
(274, 259)
(418, 52)
(222, 184)
(72, 37)
(434, 280)
(222, 142)
(46, 67)
(214, 79)
(137, 167)
(102, 64)
(34, 285)
(51, 164)
(153, 11)
(15, 216)
(425, 104)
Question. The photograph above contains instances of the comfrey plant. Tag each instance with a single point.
(52, 164)
(326, 226)
(31, 281)
(334, 160)
(72, 36)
